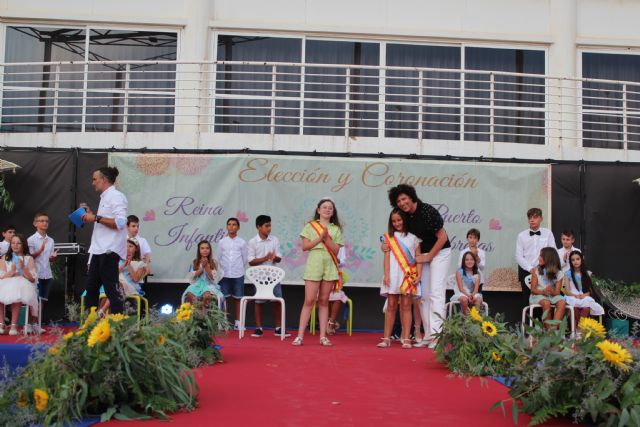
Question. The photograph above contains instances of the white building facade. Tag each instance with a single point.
(527, 79)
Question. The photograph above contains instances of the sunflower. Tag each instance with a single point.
(42, 399)
(100, 333)
(91, 318)
(67, 336)
(590, 327)
(184, 315)
(489, 328)
(22, 400)
(475, 315)
(185, 306)
(615, 354)
(118, 317)
(80, 332)
(496, 356)
(161, 340)
(53, 350)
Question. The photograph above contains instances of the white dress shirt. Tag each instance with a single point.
(43, 266)
(565, 264)
(232, 256)
(258, 248)
(528, 247)
(113, 204)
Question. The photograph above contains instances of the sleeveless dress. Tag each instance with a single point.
(596, 309)
(396, 275)
(198, 285)
(468, 283)
(543, 282)
(129, 286)
(17, 288)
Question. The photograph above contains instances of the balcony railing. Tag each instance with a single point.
(318, 99)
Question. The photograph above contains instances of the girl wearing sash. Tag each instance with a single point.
(468, 280)
(322, 237)
(401, 277)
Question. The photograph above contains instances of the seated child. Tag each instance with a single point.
(204, 275)
(578, 291)
(546, 284)
(17, 282)
(468, 280)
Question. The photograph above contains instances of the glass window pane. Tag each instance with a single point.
(440, 92)
(603, 103)
(518, 101)
(244, 101)
(328, 90)
(28, 98)
(151, 88)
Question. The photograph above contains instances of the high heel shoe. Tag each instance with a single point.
(385, 343)
(406, 343)
(324, 341)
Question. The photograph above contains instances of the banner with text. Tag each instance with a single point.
(182, 199)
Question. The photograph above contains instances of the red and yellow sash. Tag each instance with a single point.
(410, 270)
(319, 228)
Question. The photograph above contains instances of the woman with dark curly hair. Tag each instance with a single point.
(425, 221)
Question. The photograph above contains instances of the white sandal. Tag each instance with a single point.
(2, 326)
(324, 341)
(385, 343)
(297, 341)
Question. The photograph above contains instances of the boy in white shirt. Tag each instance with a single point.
(528, 246)
(7, 233)
(41, 247)
(133, 228)
(232, 257)
(567, 238)
(264, 249)
(473, 238)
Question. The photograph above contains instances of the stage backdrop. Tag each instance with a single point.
(182, 199)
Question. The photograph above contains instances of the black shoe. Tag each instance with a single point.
(278, 332)
(395, 337)
(257, 333)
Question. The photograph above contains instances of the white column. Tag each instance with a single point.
(562, 63)
(192, 107)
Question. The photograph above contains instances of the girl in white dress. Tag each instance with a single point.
(17, 282)
(578, 291)
(401, 277)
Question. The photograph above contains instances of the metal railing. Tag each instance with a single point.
(318, 99)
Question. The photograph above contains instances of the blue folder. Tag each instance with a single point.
(76, 217)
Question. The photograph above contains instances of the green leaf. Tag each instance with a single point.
(514, 412)
(108, 414)
(624, 418)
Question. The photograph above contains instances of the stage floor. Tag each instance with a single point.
(266, 382)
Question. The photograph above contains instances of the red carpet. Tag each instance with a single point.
(266, 382)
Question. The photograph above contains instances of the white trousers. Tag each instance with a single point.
(434, 288)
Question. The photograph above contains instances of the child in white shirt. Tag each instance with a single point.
(41, 247)
(567, 238)
(232, 257)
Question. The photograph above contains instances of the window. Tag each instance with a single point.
(37, 96)
(330, 91)
(440, 90)
(244, 101)
(610, 111)
(518, 111)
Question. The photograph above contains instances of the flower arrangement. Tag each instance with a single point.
(470, 345)
(114, 368)
(591, 378)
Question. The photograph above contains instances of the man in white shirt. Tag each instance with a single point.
(41, 248)
(528, 247)
(567, 238)
(108, 241)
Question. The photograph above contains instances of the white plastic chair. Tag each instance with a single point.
(529, 309)
(27, 310)
(452, 284)
(264, 278)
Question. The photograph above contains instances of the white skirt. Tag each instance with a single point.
(18, 289)
(586, 302)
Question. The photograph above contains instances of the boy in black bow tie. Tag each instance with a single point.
(528, 247)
